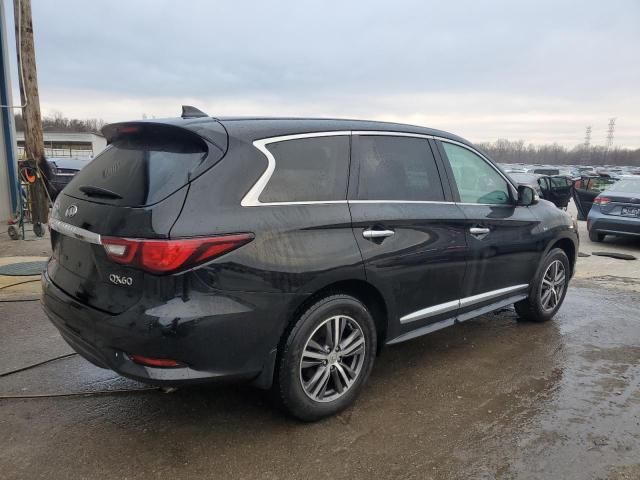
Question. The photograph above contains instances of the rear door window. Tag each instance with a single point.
(139, 170)
(396, 168)
(308, 170)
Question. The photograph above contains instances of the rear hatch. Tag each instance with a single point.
(134, 189)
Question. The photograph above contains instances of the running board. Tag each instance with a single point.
(463, 317)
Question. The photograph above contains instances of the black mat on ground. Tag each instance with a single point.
(23, 268)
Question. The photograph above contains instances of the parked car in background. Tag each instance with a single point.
(63, 169)
(288, 252)
(616, 210)
(586, 189)
(547, 171)
(555, 188)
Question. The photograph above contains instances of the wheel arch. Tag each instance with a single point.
(357, 288)
(569, 247)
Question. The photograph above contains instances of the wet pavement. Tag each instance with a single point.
(491, 398)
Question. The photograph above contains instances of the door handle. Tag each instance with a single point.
(377, 233)
(479, 231)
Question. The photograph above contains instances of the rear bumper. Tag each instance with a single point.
(216, 337)
(613, 224)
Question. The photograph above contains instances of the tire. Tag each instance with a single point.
(14, 234)
(596, 236)
(541, 306)
(38, 230)
(295, 388)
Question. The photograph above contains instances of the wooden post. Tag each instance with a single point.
(33, 137)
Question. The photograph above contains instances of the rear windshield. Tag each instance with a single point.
(626, 186)
(139, 169)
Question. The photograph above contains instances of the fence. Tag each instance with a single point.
(61, 152)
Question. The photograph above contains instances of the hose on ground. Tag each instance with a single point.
(72, 394)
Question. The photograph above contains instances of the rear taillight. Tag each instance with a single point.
(166, 256)
(601, 200)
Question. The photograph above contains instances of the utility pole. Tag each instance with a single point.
(33, 138)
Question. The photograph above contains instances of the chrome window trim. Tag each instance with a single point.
(75, 232)
(252, 198)
(390, 133)
(403, 201)
(460, 303)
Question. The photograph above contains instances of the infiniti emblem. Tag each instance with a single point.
(71, 211)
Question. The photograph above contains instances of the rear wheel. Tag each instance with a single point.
(14, 234)
(596, 236)
(326, 358)
(38, 229)
(548, 290)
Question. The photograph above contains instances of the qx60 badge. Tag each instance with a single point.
(71, 211)
(120, 280)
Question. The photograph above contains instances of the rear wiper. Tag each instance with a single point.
(93, 191)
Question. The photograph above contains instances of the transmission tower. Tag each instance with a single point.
(586, 147)
(610, 130)
(587, 138)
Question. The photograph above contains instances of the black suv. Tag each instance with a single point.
(288, 252)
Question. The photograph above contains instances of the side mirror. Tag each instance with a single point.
(527, 196)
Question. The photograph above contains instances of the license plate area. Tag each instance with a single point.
(630, 211)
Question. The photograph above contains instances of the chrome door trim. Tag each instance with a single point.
(465, 302)
(75, 232)
(460, 303)
(447, 322)
(431, 311)
(252, 198)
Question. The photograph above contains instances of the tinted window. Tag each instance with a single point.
(396, 168)
(141, 169)
(477, 181)
(308, 169)
(560, 182)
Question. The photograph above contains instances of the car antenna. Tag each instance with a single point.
(192, 112)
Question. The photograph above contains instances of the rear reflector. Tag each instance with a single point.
(601, 200)
(154, 362)
(167, 256)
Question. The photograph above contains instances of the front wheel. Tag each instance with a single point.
(326, 358)
(548, 290)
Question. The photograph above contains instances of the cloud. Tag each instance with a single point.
(540, 71)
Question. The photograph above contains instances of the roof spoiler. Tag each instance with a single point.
(192, 112)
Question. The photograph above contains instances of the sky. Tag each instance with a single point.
(540, 71)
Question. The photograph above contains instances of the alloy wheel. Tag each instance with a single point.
(332, 358)
(553, 285)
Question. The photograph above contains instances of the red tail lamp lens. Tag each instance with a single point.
(601, 200)
(155, 362)
(164, 256)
